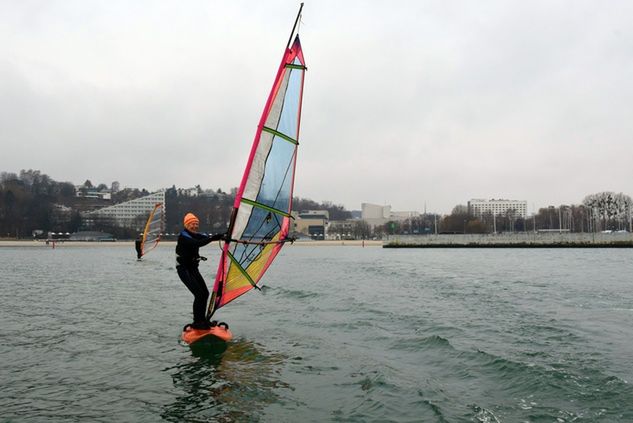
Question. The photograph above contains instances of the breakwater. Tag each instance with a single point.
(513, 240)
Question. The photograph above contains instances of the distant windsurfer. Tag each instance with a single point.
(138, 246)
(188, 257)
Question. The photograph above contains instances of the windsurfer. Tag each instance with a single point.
(188, 257)
(138, 246)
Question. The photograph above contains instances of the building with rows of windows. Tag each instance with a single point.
(130, 214)
(479, 207)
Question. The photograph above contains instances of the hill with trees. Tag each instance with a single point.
(32, 201)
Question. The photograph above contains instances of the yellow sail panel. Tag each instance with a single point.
(237, 283)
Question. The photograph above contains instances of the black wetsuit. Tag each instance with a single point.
(187, 257)
(137, 246)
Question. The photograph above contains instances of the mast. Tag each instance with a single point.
(218, 293)
(294, 26)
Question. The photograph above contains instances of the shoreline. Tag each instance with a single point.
(516, 245)
(130, 243)
(4, 243)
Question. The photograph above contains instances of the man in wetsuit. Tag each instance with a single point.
(137, 246)
(188, 257)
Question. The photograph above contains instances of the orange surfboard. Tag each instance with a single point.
(190, 335)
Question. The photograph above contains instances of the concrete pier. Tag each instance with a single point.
(513, 240)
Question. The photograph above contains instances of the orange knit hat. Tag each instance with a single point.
(189, 219)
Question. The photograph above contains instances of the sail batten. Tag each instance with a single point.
(260, 222)
(265, 207)
(280, 135)
(242, 270)
(293, 66)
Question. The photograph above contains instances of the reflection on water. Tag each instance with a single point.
(224, 382)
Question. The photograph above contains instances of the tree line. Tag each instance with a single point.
(603, 211)
(32, 201)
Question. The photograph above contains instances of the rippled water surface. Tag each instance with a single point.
(343, 334)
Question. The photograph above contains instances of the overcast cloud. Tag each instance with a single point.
(406, 102)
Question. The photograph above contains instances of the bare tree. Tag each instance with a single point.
(613, 209)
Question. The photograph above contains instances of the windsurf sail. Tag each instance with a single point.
(153, 229)
(261, 215)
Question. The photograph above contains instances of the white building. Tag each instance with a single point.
(190, 192)
(374, 211)
(479, 207)
(376, 215)
(81, 191)
(130, 213)
(403, 215)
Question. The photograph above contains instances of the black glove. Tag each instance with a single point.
(216, 237)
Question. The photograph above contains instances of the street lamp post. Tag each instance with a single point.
(560, 222)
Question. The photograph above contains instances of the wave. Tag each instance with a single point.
(290, 293)
(418, 343)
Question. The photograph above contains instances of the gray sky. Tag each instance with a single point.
(406, 102)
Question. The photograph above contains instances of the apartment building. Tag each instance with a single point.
(479, 207)
(130, 213)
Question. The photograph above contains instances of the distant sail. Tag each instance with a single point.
(261, 213)
(153, 229)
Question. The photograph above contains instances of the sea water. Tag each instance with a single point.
(336, 334)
